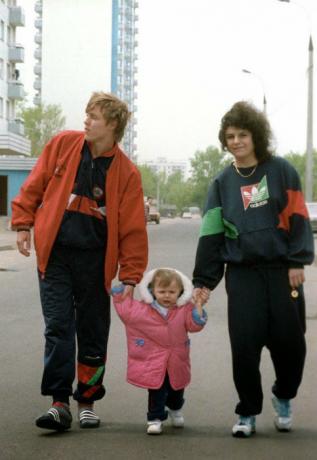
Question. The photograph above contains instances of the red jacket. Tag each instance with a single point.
(44, 195)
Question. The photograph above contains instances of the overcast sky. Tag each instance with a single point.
(191, 56)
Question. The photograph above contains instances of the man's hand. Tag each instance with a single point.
(24, 242)
(296, 277)
(127, 292)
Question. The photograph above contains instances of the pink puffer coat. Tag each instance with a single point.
(157, 345)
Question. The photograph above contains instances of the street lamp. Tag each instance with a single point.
(310, 112)
(262, 85)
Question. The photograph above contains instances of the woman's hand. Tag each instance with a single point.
(296, 277)
(201, 295)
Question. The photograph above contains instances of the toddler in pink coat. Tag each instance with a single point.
(158, 345)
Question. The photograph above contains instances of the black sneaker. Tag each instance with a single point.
(58, 418)
(88, 418)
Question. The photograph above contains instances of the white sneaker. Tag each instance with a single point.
(177, 418)
(154, 427)
(283, 414)
(244, 427)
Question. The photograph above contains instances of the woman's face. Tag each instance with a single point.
(240, 143)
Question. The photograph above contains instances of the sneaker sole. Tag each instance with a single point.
(241, 434)
(282, 429)
(89, 424)
(48, 423)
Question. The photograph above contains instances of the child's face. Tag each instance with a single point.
(167, 295)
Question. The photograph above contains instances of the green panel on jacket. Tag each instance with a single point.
(213, 224)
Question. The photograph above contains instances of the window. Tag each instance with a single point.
(7, 110)
(2, 30)
(1, 107)
(1, 68)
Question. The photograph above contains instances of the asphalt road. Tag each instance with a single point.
(210, 399)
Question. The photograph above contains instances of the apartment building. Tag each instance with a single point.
(86, 48)
(12, 140)
(13, 144)
(162, 165)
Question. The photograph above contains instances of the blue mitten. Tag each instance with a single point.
(117, 289)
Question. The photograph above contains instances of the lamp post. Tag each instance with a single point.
(262, 85)
(310, 112)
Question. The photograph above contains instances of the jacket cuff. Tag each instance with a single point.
(117, 289)
(201, 320)
(295, 265)
(129, 283)
(20, 228)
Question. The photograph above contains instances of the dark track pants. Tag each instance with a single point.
(164, 396)
(262, 312)
(75, 302)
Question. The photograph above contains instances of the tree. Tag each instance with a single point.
(149, 180)
(176, 191)
(205, 166)
(298, 160)
(40, 124)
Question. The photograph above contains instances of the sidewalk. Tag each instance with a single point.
(7, 237)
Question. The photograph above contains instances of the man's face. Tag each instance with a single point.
(96, 128)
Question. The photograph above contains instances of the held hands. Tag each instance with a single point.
(24, 242)
(296, 277)
(200, 297)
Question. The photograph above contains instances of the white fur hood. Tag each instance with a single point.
(147, 297)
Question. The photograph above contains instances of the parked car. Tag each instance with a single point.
(154, 215)
(187, 215)
(312, 211)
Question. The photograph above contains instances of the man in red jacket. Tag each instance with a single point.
(85, 201)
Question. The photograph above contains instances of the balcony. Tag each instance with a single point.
(38, 53)
(16, 16)
(16, 126)
(14, 144)
(38, 38)
(38, 23)
(38, 7)
(37, 100)
(37, 69)
(15, 90)
(37, 84)
(16, 53)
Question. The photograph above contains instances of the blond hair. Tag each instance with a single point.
(112, 109)
(164, 277)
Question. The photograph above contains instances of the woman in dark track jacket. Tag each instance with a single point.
(256, 223)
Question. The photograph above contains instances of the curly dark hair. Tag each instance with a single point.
(244, 115)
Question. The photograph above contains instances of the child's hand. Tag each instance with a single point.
(199, 308)
(127, 291)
